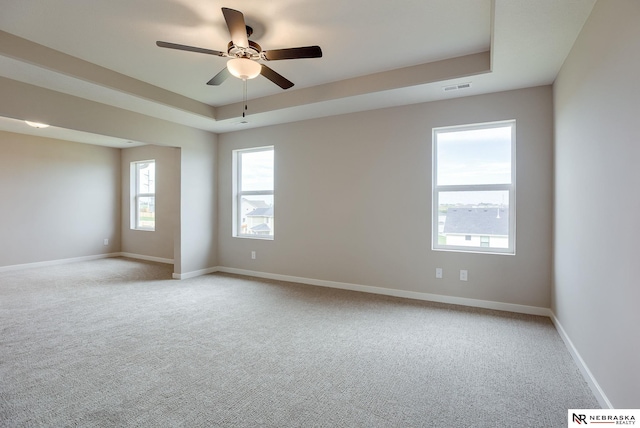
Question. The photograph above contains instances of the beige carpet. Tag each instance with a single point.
(116, 342)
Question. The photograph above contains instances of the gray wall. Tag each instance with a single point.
(195, 248)
(58, 199)
(198, 243)
(597, 201)
(160, 242)
(353, 200)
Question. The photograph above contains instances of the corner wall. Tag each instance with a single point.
(197, 243)
(353, 201)
(597, 199)
(59, 199)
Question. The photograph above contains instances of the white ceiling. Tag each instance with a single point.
(376, 53)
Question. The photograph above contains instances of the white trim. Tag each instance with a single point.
(582, 366)
(57, 262)
(135, 195)
(437, 189)
(195, 273)
(486, 304)
(500, 306)
(147, 258)
(238, 194)
(84, 259)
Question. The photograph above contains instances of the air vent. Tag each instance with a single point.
(456, 87)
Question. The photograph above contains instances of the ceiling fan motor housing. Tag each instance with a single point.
(252, 51)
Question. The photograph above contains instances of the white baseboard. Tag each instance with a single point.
(582, 366)
(509, 307)
(195, 273)
(57, 262)
(83, 259)
(147, 258)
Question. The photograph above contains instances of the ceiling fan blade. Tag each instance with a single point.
(189, 48)
(276, 78)
(220, 77)
(294, 53)
(237, 27)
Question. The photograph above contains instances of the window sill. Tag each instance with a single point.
(261, 238)
(474, 251)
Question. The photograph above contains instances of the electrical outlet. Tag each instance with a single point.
(438, 272)
(253, 255)
(463, 275)
(106, 241)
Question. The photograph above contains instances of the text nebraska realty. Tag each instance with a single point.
(606, 419)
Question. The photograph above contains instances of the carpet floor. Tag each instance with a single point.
(117, 343)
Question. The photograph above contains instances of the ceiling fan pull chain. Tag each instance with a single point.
(244, 96)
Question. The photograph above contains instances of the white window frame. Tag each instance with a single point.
(238, 193)
(511, 188)
(136, 195)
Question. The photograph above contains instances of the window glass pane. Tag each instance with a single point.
(476, 156)
(257, 170)
(146, 177)
(147, 212)
(256, 215)
(474, 219)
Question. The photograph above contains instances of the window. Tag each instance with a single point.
(474, 188)
(143, 195)
(253, 193)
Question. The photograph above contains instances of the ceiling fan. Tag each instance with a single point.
(245, 53)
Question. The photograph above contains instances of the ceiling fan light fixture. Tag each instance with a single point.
(245, 53)
(244, 68)
(36, 124)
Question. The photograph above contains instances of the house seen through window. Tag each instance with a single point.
(143, 195)
(254, 193)
(474, 188)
